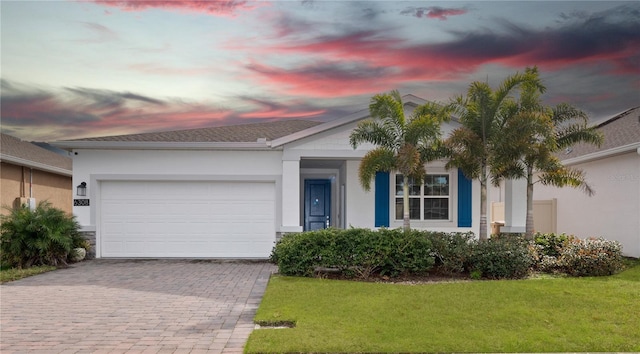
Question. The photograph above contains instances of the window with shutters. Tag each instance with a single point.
(429, 200)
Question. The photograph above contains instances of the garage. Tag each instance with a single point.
(186, 219)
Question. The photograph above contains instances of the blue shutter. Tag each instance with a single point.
(382, 199)
(464, 200)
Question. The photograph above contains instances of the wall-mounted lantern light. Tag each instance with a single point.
(82, 189)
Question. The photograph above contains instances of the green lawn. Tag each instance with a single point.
(10, 274)
(535, 315)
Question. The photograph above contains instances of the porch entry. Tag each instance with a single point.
(317, 204)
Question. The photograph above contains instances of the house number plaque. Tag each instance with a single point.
(81, 202)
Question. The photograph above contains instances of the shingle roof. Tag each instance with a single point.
(232, 133)
(25, 153)
(620, 130)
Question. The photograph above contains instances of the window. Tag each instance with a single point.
(427, 201)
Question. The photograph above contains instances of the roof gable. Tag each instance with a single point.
(24, 153)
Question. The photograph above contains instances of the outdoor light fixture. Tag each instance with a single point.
(82, 189)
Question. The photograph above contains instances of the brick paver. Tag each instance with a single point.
(133, 306)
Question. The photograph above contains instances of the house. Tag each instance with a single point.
(613, 171)
(230, 192)
(30, 174)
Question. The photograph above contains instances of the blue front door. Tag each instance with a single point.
(317, 204)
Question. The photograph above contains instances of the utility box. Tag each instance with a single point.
(30, 202)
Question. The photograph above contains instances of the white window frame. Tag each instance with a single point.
(452, 201)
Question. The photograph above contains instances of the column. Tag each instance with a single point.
(515, 205)
(291, 196)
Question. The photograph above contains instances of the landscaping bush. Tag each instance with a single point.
(43, 236)
(551, 244)
(452, 251)
(300, 253)
(354, 252)
(502, 257)
(591, 257)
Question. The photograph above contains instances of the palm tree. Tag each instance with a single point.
(403, 144)
(531, 139)
(482, 113)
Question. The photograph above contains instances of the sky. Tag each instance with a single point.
(75, 69)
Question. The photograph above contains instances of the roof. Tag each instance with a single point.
(241, 133)
(24, 153)
(255, 136)
(621, 133)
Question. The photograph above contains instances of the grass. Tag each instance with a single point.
(11, 274)
(544, 314)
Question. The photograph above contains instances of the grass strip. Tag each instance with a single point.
(11, 274)
(597, 314)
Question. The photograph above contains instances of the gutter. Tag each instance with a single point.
(603, 154)
(162, 145)
(35, 165)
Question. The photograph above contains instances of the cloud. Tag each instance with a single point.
(436, 12)
(369, 61)
(322, 79)
(272, 109)
(216, 8)
(45, 115)
(80, 112)
(100, 33)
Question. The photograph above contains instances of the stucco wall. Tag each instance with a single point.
(613, 212)
(38, 184)
(152, 164)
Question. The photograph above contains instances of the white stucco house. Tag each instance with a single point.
(230, 192)
(613, 171)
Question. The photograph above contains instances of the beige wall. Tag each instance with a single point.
(44, 186)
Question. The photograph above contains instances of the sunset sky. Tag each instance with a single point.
(73, 69)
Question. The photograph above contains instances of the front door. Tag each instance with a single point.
(317, 204)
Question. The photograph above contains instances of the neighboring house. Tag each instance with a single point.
(30, 174)
(230, 192)
(613, 171)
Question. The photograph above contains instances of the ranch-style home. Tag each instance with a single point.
(230, 192)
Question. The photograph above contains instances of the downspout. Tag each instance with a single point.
(22, 184)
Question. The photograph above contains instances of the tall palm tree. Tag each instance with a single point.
(403, 144)
(531, 139)
(482, 113)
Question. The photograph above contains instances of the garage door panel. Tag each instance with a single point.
(187, 219)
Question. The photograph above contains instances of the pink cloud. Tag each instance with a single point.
(320, 80)
(271, 109)
(217, 7)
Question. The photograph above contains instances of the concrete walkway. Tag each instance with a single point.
(133, 306)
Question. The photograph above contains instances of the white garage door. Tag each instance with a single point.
(187, 219)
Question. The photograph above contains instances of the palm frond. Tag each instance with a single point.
(565, 112)
(377, 160)
(374, 132)
(578, 133)
(566, 176)
(388, 107)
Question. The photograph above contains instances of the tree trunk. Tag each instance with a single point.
(406, 223)
(483, 204)
(529, 223)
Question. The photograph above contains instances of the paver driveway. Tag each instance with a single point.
(118, 306)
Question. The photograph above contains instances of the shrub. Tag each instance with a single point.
(591, 257)
(44, 236)
(452, 251)
(502, 257)
(354, 252)
(551, 244)
(300, 253)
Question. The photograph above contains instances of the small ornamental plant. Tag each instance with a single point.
(591, 257)
(43, 236)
